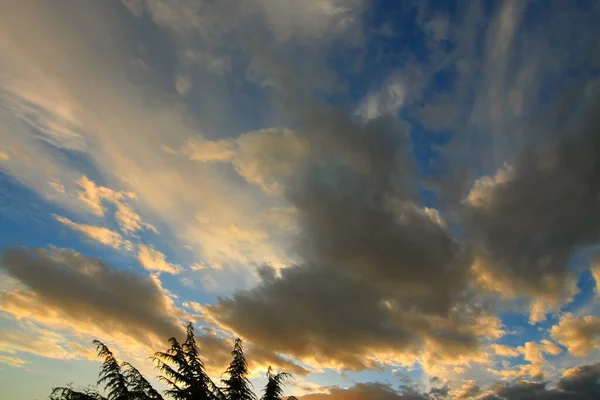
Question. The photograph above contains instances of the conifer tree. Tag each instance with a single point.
(237, 385)
(121, 382)
(111, 374)
(139, 387)
(184, 373)
(183, 370)
(274, 387)
(67, 393)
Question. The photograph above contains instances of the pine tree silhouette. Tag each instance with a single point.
(111, 374)
(139, 387)
(67, 393)
(237, 385)
(182, 370)
(274, 387)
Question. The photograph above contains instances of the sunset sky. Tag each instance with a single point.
(391, 200)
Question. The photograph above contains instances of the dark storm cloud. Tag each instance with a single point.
(584, 380)
(216, 355)
(378, 272)
(68, 288)
(531, 224)
(582, 383)
(315, 313)
(356, 207)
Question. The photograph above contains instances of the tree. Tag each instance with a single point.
(139, 387)
(184, 372)
(121, 381)
(275, 382)
(111, 375)
(67, 393)
(237, 385)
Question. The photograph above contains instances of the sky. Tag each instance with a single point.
(391, 200)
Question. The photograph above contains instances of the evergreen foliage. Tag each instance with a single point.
(275, 382)
(237, 385)
(182, 371)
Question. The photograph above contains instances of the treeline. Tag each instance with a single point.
(181, 370)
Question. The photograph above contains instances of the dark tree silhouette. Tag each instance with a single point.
(275, 382)
(121, 381)
(139, 387)
(111, 375)
(182, 370)
(67, 393)
(237, 385)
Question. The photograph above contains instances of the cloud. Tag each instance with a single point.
(94, 196)
(12, 361)
(291, 18)
(373, 276)
(583, 379)
(59, 187)
(207, 151)
(550, 347)
(519, 390)
(367, 391)
(136, 7)
(595, 270)
(154, 261)
(165, 187)
(32, 156)
(468, 390)
(227, 242)
(527, 222)
(67, 290)
(268, 157)
(482, 190)
(344, 323)
(386, 101)
(533, 353)
(216, 354)
(43, 343)
(97, 233)
(580, 335)
(380, 279)
(579, 383)
(215, 64)
(265, 158)
(74, 294)
(285, 19)
(505, 351)
(183, 84)
(56, 127)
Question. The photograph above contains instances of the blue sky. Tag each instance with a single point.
(367, 192)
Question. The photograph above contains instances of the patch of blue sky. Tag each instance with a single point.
(20, 206)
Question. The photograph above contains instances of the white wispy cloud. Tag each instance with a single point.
(155, 261)
(100, 234)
